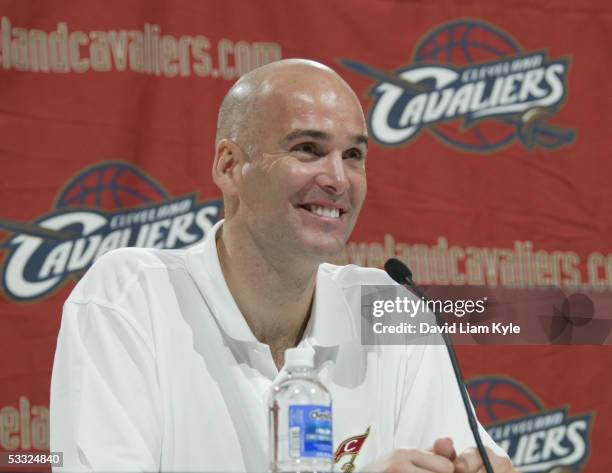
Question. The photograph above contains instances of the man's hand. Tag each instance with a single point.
(411, 461)
(470, 462)
(441, 458)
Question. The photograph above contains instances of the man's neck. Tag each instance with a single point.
(275, 299)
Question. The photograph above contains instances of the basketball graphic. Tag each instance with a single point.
(537, 439)
(110, 185)
(109, 205)
(473, 87)
(497, 399)
(461, 43)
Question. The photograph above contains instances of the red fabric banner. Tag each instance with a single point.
(488, 166)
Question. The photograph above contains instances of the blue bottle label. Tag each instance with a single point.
(310, 431)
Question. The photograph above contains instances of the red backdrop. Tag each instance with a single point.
(107, 120)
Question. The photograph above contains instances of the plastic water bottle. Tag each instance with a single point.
(300, 418)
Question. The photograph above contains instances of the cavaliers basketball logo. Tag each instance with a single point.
(473, 87)
(109, 205)
(537, 439)
(351, 448)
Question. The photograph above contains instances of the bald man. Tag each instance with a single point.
(165, 358)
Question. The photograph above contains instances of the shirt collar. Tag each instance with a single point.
(330, 323)
(205, 268)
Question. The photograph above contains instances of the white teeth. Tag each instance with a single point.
(325, 211)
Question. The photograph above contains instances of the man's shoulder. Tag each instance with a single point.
(116, 271)
(353, 275)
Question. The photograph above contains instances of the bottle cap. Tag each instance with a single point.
(299, 357)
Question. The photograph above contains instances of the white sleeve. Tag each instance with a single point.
(432, 407)
(105, 408)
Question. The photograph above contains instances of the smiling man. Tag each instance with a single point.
(290, 161)
(165, 358)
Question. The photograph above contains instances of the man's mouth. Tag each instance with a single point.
(323, 211)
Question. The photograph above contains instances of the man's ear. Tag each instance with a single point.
(225, 171)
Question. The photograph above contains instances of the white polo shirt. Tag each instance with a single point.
(157, 369)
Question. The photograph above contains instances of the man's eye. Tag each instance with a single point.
(353, 154)
(309, 148)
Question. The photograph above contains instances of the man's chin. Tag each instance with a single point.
(326, 249)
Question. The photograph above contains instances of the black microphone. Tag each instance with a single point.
(401, 274)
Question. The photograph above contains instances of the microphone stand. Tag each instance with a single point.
(406, 280)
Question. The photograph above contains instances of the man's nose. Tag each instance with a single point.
(333, 175)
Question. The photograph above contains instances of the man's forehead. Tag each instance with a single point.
(296, 104)
(306, 84)
(281, 98)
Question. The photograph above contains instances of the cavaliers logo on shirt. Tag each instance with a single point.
(351, 446)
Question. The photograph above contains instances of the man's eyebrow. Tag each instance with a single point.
(360, 139)
(301, 133)
(319, 135)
